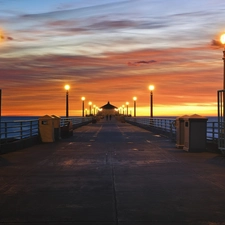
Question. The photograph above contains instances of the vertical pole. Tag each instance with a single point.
(83, 108)
(0, 117)
(67, 103)
(151, 103)
(222, 141)
(223, 102)
(150, 109)
(134, 108)
(224, 69)
(127, 109)
(0, 104)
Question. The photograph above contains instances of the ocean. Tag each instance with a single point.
(23, 118)
(18, 118)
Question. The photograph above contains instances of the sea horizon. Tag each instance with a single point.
(16, 118)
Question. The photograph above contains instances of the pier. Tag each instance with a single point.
(112, 173)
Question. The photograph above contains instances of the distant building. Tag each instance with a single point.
(108, 109)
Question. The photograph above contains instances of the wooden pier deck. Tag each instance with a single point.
(112, 173)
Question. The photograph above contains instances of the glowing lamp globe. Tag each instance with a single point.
(222, 39)
(151, 87)
(67, 87)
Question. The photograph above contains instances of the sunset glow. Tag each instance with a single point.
(111, 50)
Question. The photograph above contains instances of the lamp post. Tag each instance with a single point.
(94, 106)
(222, 39)
(135, 99)
(83, 98)
(90, 103)
(0, 116)
(123, 109)
(67, 87)
(127, 103)
(151, 88)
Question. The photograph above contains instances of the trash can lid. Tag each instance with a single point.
(196, 116)
(45, 117)
(182, 117)
(56, 117)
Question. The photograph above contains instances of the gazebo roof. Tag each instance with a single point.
(108, 106)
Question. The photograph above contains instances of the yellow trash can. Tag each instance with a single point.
(46, 128)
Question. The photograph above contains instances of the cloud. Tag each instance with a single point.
(141, 63)
(6, 38)
(114, 24)
(215, 43)
(80, 12)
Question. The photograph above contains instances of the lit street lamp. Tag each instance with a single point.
(83, 98)
(67, 87)
(151, 88)
(135, 99)
(90, 103)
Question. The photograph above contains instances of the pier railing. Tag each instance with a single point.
(167, 126)
(21, 129)
(16, 130)
(76, 121)
(18, 134)
(11, 131)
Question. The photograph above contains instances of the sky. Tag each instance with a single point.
(111, 50)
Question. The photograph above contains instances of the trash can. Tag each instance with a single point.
(67, 129)
(46, 128)
(195, 133)
(180, 131)
(56, 121)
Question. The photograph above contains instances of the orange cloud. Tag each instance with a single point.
(34, 85)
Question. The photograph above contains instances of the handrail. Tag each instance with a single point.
(18, 130)
(21, 129)
(168, 125)
(75, 120)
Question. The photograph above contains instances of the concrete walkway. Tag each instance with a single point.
(111, 173)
